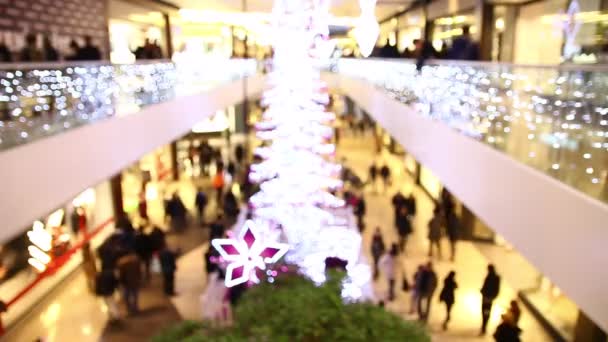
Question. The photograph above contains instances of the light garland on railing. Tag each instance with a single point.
(511, 108)
(43, 101)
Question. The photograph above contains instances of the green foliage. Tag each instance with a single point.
(295, 309)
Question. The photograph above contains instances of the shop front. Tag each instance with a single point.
(144, 182)
(131, 26)
(410, 27)
(37, 260)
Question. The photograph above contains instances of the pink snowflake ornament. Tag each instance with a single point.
(246, 253)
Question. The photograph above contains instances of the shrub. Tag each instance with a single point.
(295, 309)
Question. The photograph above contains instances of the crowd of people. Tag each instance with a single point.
(125, 260)
(33, 51)
(424, 282)
(463, 47)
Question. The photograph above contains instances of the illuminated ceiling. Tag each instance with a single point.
(340, 8)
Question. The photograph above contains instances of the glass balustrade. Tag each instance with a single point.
(554, 119)
(39, 100)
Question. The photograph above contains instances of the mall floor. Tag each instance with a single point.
(72, 313)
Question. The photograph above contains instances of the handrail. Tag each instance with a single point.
(491, 64)
(68, 64)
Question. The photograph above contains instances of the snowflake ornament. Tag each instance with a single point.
(246, 253)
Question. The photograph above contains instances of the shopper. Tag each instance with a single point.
(447, 296)
(74, 51)
(177, 212)
(489, 292)
(211, 260)
(6, 55)
(129, 270)
(416, 289)
(89, 52)
(89, 265)
(30, 52)
(435, 233)
(231, 206)
(205, 153)
(373, 173)
(452, 225)
(218, 186)
(507, 330)
(390, 264)
(463, 47)
(410, 203)
(428, 284)
(360, 209)
(200, 202)
(404, 227)
(239, 153)
(515, 311)
(231, 169)
(49, 53)
(378, 248)
(385, 173)
(105, 286)
(168, 266)
(217, 228)
(157, 239)
(398, 201)
(144, 249)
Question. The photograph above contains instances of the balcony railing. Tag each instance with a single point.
(39, 100)
(554, 119)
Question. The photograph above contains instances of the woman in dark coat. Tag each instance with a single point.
(447, 296)
(378, 249)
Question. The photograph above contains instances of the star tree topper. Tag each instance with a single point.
(246, 253)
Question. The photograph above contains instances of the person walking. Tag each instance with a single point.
(435, 233)
(515, 311)
(428, 284)
(177, 212)
(217, 228)
(507, 330)
(447, 296)
(404, 227)
(105, 286)
(410, 203)
(489, 292)
(452, 225)
(218, 186)
(200, 202)
(239, 153)
(416, 289)
(373, 173)
(398, 200)
(129, 270)
(378, 248)
(144, 249)
(390, 265)
(168, 266)
(360, 209)
(385, 173)
(231, 206)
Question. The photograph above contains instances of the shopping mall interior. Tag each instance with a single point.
(303, 170)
